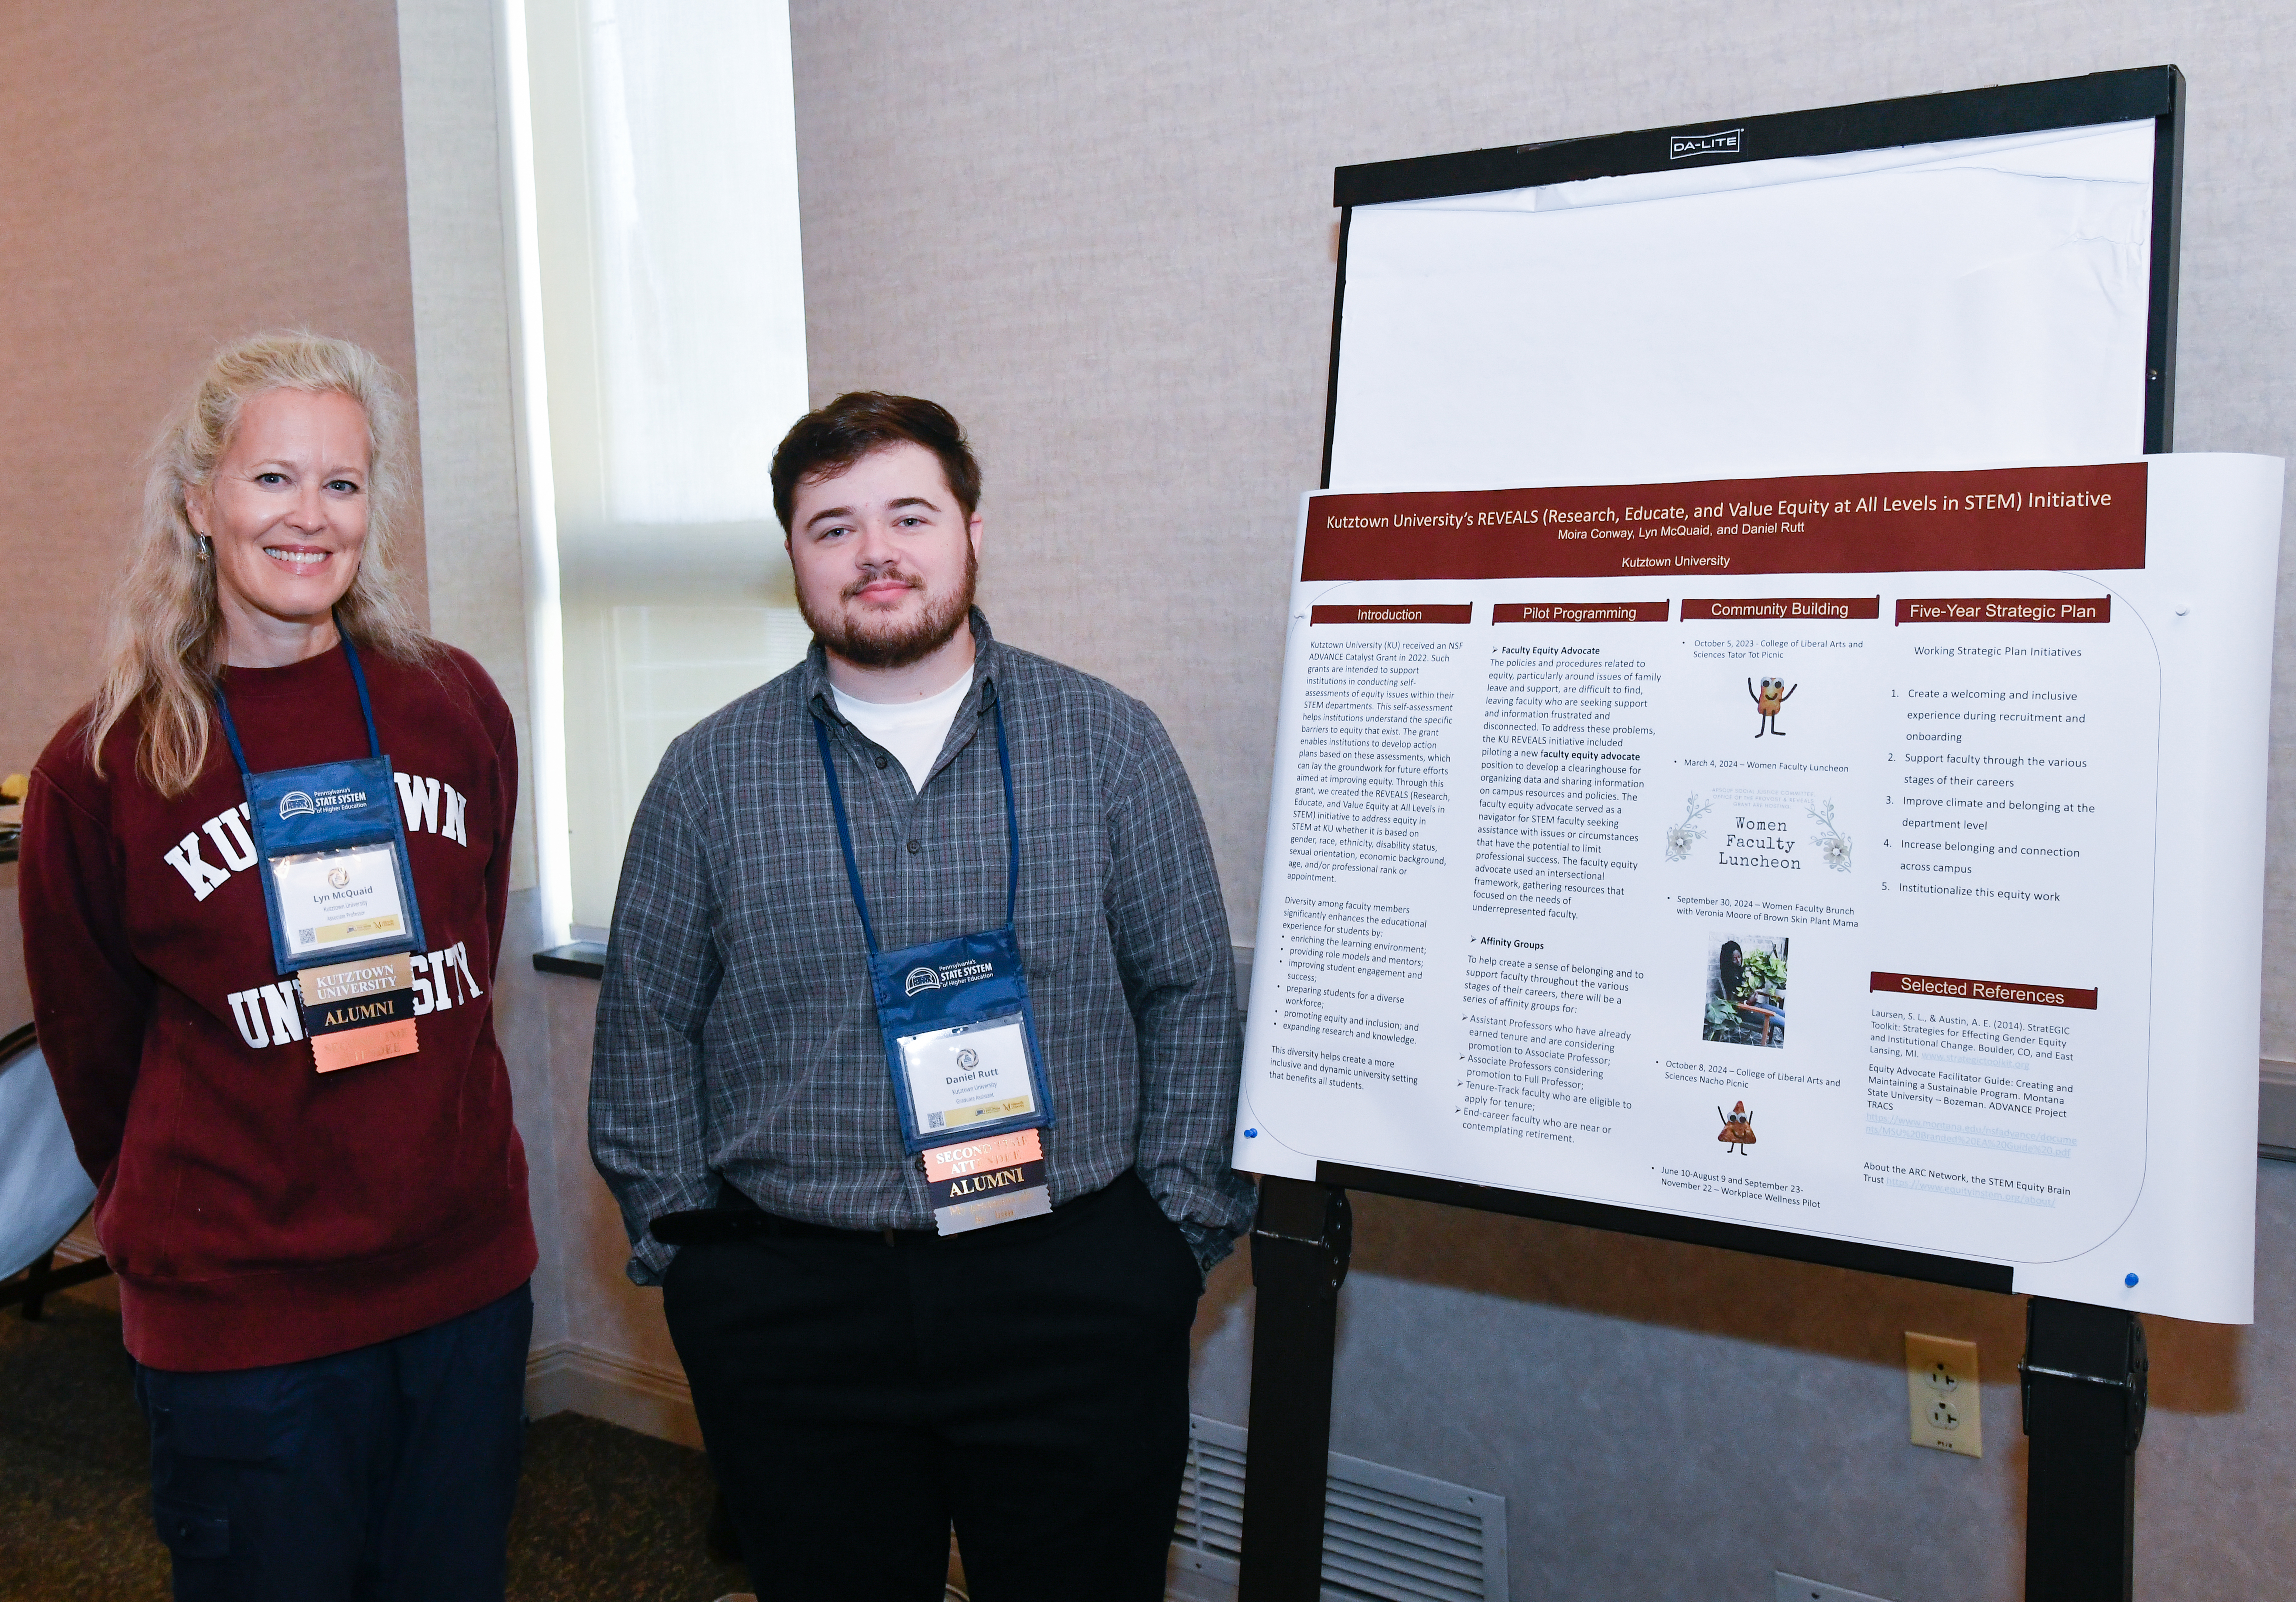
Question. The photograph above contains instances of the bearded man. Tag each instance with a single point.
(917, 1064)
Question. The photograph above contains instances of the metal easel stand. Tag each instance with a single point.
(2083, 1382)
(1300, 1248)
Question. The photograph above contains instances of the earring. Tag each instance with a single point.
(205, 548)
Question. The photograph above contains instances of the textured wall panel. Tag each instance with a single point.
(176, 175)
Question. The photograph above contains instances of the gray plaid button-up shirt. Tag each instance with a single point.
(736, 1038)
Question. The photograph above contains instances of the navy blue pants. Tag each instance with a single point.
(385, 1473)
(1027, 1383)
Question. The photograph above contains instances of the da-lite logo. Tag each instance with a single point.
(1723, 143)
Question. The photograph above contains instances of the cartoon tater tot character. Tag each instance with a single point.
(1737, 1128)
(1767, 700)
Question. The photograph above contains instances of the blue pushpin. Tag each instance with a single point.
(1254, 1134)
(2131, 1281)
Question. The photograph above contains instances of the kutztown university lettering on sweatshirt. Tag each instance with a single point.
(258, 1210)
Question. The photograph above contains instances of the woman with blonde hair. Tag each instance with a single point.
(263, 883)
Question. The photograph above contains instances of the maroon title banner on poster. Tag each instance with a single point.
(1993, 518)
(1789, 608)
(1579, 612)
(1982, 990)
(1389, 615)
(2008, 609)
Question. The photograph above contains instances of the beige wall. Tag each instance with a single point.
(1102, 234)
(176, 175)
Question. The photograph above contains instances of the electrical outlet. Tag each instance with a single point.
(1793, 1588)
(1941, 1394)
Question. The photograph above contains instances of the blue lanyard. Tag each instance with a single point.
(366, 707)
(845, 833)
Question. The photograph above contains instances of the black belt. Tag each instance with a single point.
(737, 1217)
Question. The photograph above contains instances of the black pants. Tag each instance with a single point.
(1028, 1382)
(385, 1474)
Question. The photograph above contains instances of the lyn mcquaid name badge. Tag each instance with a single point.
(335, 900)
(338, 891)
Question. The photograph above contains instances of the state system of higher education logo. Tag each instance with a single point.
(1724, 142)
(297, 803)
(948, 978)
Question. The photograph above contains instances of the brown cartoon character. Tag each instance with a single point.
(1773, 694)
(1737, 1128)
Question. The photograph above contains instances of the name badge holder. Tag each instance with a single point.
(338, 891)
(961, 1044)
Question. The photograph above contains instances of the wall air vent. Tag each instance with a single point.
(1388, 1536)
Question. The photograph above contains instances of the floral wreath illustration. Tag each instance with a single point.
(1833, 845)
(1686, 833)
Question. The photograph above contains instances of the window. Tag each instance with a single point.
(672, 318)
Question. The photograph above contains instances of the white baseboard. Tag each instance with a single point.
(567, 1377)
(2275, 1120)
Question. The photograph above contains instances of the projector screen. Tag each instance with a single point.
(1973, 302)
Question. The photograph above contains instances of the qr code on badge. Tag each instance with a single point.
(304, 937)
(934, 1120)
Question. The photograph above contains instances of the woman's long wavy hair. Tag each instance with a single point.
(166, 640)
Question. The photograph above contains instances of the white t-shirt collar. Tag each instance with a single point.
(914, 731)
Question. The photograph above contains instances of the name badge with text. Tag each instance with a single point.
(339, 899)
(338, 889)
(971, 1073)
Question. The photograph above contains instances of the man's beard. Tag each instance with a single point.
(869, 643)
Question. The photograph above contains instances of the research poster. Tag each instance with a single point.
(1876, 855)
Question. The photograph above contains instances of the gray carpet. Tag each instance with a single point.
(602, 1514)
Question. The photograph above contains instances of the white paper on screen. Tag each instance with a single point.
(1937, 304)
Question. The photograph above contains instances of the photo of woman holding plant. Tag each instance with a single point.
(1746, 989)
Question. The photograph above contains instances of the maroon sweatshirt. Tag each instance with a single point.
(258, 1210)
